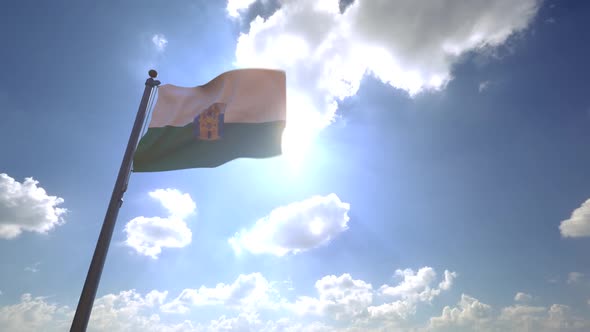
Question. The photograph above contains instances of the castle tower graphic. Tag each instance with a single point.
(209, 124)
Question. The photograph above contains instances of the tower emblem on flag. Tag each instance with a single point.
(209, 123)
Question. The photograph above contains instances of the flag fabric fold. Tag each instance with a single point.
(239, 114)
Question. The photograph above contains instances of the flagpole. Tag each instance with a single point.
(86, 301)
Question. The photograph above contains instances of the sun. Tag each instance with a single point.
(316, 226)
(297, 143)
(304, 123)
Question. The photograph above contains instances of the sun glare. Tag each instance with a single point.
(316, 226)
(303, 125)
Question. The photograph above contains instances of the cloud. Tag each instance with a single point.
(295, 228)
(179, 205)
(129, 311)
(472, 315)
(557, 317)
(33, 268)
(484, 85)
(414, 288)
(574, 277)
(578, 225)
(248, 291)
(469, 313)
(356, 302)
(250, 303)
(341, 297)
(418, 284)
(242, 322)
(32, 314)
(338, 297)
(148, 235)
(409, 45)
(234, 7)
(160, 42)
(25, 207)
(522, 297)
(125, 311)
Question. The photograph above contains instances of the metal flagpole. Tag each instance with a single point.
(86, 301)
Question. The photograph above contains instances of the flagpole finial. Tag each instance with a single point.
(153, 73)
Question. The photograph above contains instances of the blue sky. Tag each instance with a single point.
(441, 147)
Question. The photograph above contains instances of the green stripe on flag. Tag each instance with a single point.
(170, 148)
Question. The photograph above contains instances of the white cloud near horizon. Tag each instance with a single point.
(34, 268)
(469, 313)
(128, 311)
(472, 315)
(418, 284)
(340, 297)
(33, 314)
(251, 303)
(247, 292)
(414, 288)
(26, 207)
(409, 45)
(354, 301)
(148, 235)
(295, 228)
(574, 277)
(522, 297)
(578, 225)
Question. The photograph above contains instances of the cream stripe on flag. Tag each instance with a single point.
(239, 114)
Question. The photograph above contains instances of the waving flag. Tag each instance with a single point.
(239, 114)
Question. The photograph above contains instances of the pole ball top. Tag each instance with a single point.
(153, 73)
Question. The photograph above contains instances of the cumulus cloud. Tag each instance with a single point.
(32, 314)
(295, 228)
(472, 315)
(242, 322)
(522, 297)
(339, 297)
(345, 299)
(250, 303)
(129, 311)
(418, 284)
(484, 86)
(247, 321)
(34, 268)
(574, 277)
(414, 288)
(409, 45)
(159, 42)
(179, 205)
(578, 225)
(247, 292)
(342, 298)
(119, 312)
(25, 207)
(148, 235)
(469, 313)
(234, 7)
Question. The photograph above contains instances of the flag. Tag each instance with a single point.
(239, 114)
